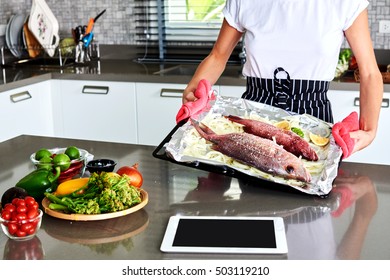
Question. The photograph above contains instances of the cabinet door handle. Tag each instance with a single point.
(95, 90)
(385, 102)
(18, 97)
(169, 92)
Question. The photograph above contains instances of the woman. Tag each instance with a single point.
(292, 51)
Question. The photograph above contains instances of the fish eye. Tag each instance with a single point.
(290, 169)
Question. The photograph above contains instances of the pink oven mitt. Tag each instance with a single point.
(341, 130)
(203, 93)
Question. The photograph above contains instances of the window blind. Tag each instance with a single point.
(177, 29)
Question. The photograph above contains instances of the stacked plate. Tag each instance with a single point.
(29, 35)
(14, 35)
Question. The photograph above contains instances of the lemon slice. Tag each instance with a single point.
(318, 140)
(283, 125)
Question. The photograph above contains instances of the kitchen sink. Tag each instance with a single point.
(189, 70)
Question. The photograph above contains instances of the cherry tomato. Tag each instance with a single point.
(34, 206)
(9, 207)
(31, 213)
(20, 233)
(12, 228)
(20, 202)
(31, 230)
(13, 216)
(26, 227)
(21, 216)
(29, 201)
(21, 209)
(6, 215)
(15, 201)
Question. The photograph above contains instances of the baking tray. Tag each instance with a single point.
(320, 186)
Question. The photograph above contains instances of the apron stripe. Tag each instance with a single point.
(299, 96)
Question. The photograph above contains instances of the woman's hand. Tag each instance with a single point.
(188, 96)
(362, 139)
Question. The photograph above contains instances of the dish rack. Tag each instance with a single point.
(73, 55)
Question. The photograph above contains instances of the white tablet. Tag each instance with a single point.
(221, 234)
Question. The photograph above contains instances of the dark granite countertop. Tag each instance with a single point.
(126, 68)
(350, 223)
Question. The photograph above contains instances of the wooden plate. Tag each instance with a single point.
(95, 217)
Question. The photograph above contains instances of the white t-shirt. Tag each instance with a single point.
(302, 36)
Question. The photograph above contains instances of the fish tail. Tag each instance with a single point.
(203, 130)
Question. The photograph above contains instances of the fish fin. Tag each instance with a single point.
(234, 118)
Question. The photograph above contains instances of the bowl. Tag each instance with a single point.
(75, 170)
(33, 225)
(100, 165)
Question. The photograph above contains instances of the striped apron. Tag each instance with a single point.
(299, 96)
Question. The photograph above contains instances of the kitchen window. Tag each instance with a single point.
(177, 29)
(189, 20)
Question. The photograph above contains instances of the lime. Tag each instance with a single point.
(61, 160)
(45, 162)
(42, 153)
(72, 152)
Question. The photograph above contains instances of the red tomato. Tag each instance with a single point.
(32, 213)
(12, 228)
(31, 230)
(15, 201)
(21, 209)
(20, 233)
(26, 227)
(21, 216)
(34, 206)
(20, 202)
(13, 216)
(10, 207)
(29, 201)
(6, 215)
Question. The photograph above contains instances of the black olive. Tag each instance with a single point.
(11, 193)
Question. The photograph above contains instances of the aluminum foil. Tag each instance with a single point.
(321, 183)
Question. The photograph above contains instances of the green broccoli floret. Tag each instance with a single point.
(119, 197)
(110, 179)
(89, 206)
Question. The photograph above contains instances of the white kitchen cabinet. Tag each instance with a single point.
(232, 91)
(97, 110)
(157, 106)
(26, 110)
(343, 103)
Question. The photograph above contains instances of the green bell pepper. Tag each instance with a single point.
(39, 181)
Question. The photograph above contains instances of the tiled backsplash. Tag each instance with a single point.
(117, 27)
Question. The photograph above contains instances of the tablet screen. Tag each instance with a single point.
(225, 235)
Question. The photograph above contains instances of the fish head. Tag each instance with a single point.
(297, 171)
